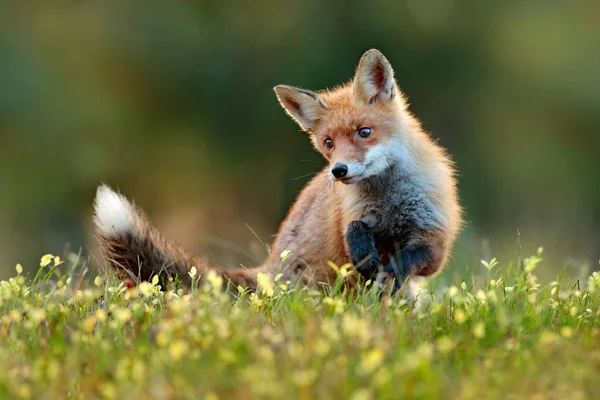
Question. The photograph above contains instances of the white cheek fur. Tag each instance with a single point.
(393, 152)
(380, 157)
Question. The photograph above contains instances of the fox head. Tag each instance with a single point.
(358, 126)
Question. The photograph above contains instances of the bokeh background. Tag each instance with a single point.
(172, 103)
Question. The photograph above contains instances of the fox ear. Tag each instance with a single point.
(304, 106)
(374, 78)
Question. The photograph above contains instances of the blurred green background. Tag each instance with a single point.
(172, 103)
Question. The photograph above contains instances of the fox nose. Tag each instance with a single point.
(339, 170)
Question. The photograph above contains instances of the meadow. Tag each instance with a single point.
(73, 332)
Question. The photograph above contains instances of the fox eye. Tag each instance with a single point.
(328, 144)
(364, 132)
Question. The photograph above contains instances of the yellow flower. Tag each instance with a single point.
(161, 338)
(193, 272)
(437, 309)
(355, 328)
(566, 332)
(322, 347)
(265, 284)
(371, 361)
(481, 296)
(255, 301)
(108, 390)
(15, 315)
(330, 330)
(424, 352)
(345, 270)
(285, 254)
(547, 338)
(23, 392)
(266, 354)
(361, 394)
(573, 311)
(496, 283)
(145, 289)
(215, 281)
(479, 330)
(336, 304)
(101, 315)
(122, 314)
(381, 378)
(445, 344)
(177, 349)
(37, 315)
(98, 281)
(532, 262)
(452, 291)
(88, 324)
(46, 260)
(19, 269)
(460, 317)
(305, 378)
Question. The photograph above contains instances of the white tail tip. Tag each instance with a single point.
(113, 213)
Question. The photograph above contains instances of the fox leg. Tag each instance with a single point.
(410, 260)
(424, 254)
(362, 249)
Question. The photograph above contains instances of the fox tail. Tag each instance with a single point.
(136, 250)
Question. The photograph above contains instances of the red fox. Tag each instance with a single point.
(387, 201)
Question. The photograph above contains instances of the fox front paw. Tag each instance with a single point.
(361, 245)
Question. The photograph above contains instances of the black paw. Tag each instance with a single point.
(368, 267)
(361, 245)
(409, 261)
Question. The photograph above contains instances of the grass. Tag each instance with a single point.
(67, 333)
